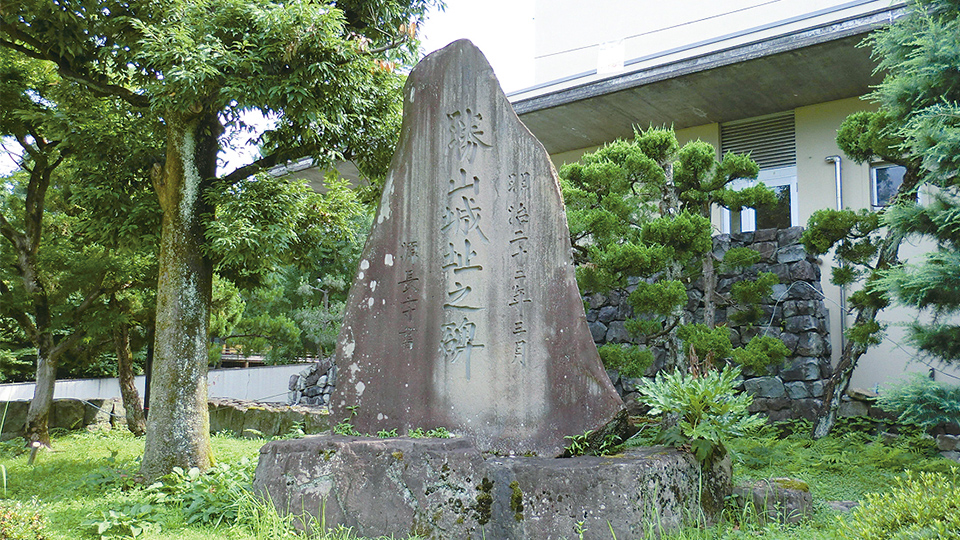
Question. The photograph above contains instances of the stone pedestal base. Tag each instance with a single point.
(445, 488)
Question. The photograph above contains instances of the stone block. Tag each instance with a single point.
(799, 324)
(768, 405)
(445, 488)
(97, 413)
(765, 235)
(810, 344)
(607, 314)
(815, 388)
(631, 384)
(790, 341)
(796, 390)
(804, 271)
(765, 387)
(67, 414)
(782, 271)
(294, 381)
(948, 443)
(598, 331)
(782, 500)
(592, 315)
(850, 408)
(767, 250)
(15, 418)
(617, 333)
(791, 254)
(803, 368)
(597, 300)
(790, 235)
(862, 394)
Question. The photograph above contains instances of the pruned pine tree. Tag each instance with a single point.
(641, 209)
(324, 69)
(916, 126)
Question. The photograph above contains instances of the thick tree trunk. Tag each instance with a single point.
(178, 427)
(128, 391)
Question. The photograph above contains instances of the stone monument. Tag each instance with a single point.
(465, 312)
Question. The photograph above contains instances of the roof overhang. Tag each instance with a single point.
(782, 73)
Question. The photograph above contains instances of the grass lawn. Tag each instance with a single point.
(86, 481)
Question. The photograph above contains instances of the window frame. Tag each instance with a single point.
(774, 177)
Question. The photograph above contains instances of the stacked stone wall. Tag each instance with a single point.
(794, 312)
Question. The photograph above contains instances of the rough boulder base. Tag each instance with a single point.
(444, 488)
(465, 312)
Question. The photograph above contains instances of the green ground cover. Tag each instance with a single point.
(86, 485)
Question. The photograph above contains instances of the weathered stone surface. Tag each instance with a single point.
(789, 235)
(764, 235)
(247, 419)
(862, 394)
(444, 488)
(617, 333)
(791, 254)
(67, 414)
(465, 312)
(785, 500)
(765, 387)
(598, 331)
(796, 390)
(947, 443)
(607, 314)
(810, 344)
(849, 407)
(803, 368)
(804, 271)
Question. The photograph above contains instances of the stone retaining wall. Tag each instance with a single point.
(239, 418)
(795, 313)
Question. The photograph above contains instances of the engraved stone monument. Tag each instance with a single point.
(465, 313)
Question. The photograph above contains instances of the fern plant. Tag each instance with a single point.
(707, 409)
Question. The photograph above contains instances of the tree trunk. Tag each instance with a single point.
(709, 290)
(178, 427)
(839, 381)
(128, 391)
(37, 428)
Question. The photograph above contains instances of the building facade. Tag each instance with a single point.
(775, 79)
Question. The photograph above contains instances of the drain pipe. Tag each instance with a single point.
(843, 289)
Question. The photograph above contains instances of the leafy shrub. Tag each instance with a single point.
(923, 402)
(208, 498)
(20, 522)
(708, 409)
(108, 476)
(629, 361)
(131, 521)
(918, 506)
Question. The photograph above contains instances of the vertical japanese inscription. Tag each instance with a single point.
(461, 223)
(409, 293)
(519, 218)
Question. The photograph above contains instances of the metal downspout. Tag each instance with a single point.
(843, 289)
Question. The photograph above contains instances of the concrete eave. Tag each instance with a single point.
(777, 74)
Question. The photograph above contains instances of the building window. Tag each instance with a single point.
(771, 142)
(779, 215)
(885, 180)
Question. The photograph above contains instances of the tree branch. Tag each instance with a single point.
(265, 163)
(67, 70)
(18, 315)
